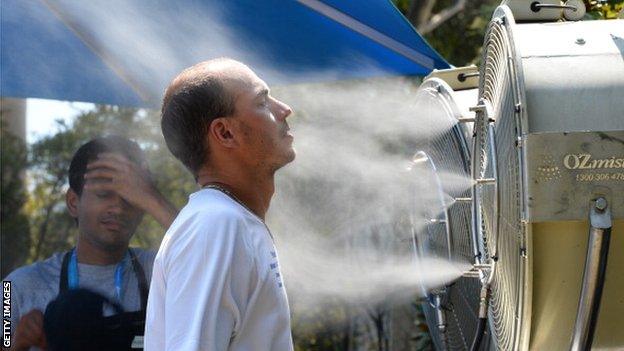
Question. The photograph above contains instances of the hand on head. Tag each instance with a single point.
(132, 182)
(114, 172)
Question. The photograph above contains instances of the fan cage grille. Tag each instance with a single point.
(501, 230)
(459, 301)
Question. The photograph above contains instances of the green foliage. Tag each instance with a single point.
(14, 224)
(460, 38)
(605, 9)
(324, 328)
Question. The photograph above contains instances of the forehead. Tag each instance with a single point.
(241, 80)
(129, 155)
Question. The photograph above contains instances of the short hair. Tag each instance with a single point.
(90, 151)
(194, 99)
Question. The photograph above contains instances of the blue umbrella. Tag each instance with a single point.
(126, 52)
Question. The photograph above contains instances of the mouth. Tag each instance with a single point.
(113, 225)
(287, 133)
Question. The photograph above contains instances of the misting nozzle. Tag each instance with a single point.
(485, 273)
(483, 300)
(478, 270)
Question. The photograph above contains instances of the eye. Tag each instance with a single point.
(102, 194)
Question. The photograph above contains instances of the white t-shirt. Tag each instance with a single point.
(216, 282)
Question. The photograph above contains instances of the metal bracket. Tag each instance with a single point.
(485, 180)
(536, 6)
(478, 270)
(436, 303)
(482, 108)
(462, 76)
(477, 108)
(600, 214)
(465, 120)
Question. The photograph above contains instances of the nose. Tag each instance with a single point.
(117, 205)
(282, 110)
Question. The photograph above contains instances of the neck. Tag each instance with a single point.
(255, 192)
(92, 254)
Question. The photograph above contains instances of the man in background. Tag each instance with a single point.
(110, 189)
(216, 283)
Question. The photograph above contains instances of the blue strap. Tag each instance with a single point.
(73, 277)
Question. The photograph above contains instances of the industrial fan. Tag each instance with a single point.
(442, 221)
(547, 163)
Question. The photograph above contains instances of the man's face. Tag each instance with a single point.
(104, 219)
(265, 141)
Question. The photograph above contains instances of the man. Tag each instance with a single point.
(109, 191)
(216, 283)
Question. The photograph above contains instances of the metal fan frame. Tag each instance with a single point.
(484, 136)
(435, 297)
(439, 297)
(504, 19)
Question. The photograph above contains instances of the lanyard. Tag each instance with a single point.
(73, 280)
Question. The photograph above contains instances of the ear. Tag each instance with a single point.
(222, 132)
(72, 200)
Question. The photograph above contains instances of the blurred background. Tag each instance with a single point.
(36, 154)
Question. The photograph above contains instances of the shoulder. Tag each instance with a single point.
(208, 223)
(35, 285)
(145, 256)
(208, 210)
(38, 272)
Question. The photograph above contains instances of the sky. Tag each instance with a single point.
(41, 115)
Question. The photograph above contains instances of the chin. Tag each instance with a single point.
(116, 245)
(116, 242)
(292, 154)
(286, 158)
(289, 156)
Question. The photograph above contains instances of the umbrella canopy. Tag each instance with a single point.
(126, 52)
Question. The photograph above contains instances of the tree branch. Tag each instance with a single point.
(420, 12)
(43, 228)
(441, 17)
